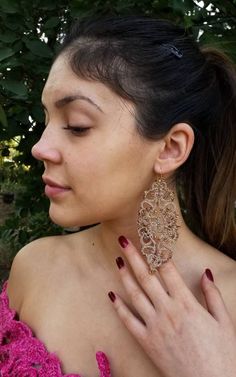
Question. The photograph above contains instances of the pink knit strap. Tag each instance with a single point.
(103, 364)
(22, 354)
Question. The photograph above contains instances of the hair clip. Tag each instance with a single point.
(174, 50)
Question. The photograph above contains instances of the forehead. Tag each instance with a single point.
(59, 71)
(62, 82)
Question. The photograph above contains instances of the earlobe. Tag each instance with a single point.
(176, 147)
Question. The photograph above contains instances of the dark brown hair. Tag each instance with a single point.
(170, 79)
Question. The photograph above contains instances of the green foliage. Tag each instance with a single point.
(30, 34)
(3, 118)
(29, 221)
(29, 38)
(23, 227)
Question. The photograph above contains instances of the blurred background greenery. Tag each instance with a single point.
(30, 33)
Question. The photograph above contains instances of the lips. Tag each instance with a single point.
(53, 189)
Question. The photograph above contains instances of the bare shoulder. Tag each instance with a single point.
(224, 271)
(30, 264)
(226, 282)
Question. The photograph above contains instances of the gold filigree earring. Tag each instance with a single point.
(157, 224)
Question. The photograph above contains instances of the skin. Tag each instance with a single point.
(180, 336)
(106, 170)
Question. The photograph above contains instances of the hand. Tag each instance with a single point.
(181, 337)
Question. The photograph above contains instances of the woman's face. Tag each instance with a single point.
(91, 148)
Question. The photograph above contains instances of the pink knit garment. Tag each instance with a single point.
(23, 355)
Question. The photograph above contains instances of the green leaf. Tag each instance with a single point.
(178, 5)
(9, 37)
(188, 21)
(10, 6)
(13, 22)
(37, 113)
(15, 87)
(13, 62)
(51, 22)
(3, 118)
(17, 46)
(5, 53)
(47, 5)
(39, 48)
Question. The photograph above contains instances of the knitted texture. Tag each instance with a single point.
(23, 355)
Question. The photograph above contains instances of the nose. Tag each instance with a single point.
(47, 149)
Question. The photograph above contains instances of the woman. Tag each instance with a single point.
(133, 110)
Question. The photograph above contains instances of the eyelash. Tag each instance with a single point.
(76, 130)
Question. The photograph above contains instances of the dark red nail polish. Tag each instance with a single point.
(123, 242)
(120, 262)
(209, 274)
(112, 296)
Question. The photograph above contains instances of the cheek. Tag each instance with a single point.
(118, 170)
(106, 182)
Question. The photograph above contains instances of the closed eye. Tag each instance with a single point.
(76, 130)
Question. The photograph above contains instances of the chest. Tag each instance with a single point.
(76, 324)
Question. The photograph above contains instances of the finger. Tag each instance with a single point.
(173, 281)
(140, 301)
(149, 282)
(135, 326)
(214, 301)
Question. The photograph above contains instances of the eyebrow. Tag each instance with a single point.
(68, 99)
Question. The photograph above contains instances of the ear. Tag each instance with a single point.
(174, 149)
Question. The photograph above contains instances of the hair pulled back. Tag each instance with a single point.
(170, 79)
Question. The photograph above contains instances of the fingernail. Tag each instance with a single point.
(112, 296)
(209, 274)
(123, 242)
(120, 263)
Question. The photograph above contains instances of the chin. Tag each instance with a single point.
(69, 221)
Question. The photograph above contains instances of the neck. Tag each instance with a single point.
(107, 235)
